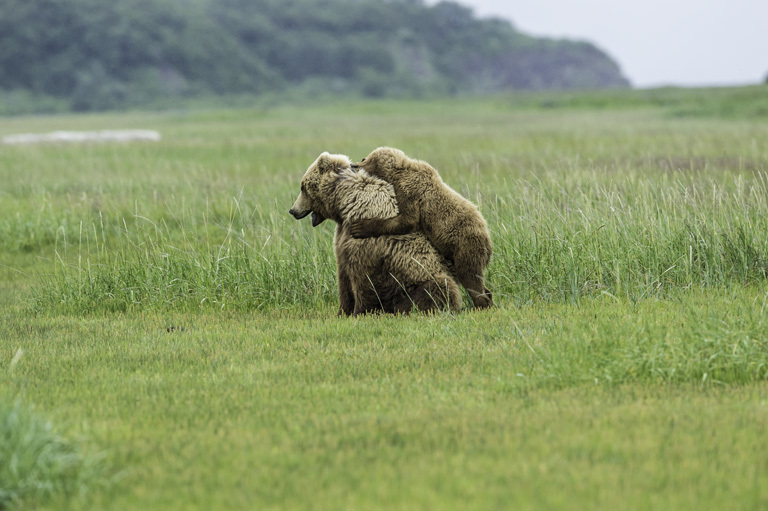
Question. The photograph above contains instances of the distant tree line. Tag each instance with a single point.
(100, 55)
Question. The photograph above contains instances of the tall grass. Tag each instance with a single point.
(556, 238)
(630, 203)
(240, 261)
(637, 237)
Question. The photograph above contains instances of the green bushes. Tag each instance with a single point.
(105, 56)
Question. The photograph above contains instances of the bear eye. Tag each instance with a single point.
(303, 188)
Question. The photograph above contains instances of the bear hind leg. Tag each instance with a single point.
(432, 296)
(469, 266)
(475, 285)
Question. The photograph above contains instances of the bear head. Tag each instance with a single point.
(317, 187)
(332, 189)
(384, 158)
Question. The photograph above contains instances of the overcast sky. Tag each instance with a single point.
(656, 42)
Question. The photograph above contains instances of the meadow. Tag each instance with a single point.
(169, 339)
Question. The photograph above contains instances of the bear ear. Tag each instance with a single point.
(327, 162)
(323, 161)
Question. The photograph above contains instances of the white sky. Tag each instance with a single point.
(656, 42)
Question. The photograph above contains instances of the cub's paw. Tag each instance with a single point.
(483, 300)
(360, 228)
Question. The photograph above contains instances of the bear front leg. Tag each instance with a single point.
(346, 297)
(373, 227)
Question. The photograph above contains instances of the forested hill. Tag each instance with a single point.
(100, 54)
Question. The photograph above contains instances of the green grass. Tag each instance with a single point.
(174, 316)
(37, 463)
(728, 102)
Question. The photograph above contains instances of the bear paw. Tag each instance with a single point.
(360, 228)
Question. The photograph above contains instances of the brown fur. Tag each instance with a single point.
(389, 273)
(451, 223)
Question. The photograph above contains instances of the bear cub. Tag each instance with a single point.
(426, 204)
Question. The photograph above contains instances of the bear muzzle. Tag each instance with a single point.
(298, 215)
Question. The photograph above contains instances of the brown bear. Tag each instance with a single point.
(392, 274)
(451, 223)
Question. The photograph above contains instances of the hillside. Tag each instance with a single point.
(97, 55)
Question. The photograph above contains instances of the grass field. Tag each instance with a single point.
(168, 337)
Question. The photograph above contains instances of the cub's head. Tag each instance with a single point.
(318, 188)
(383, 158)
(392, 164)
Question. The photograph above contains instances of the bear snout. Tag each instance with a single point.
(298, 215)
